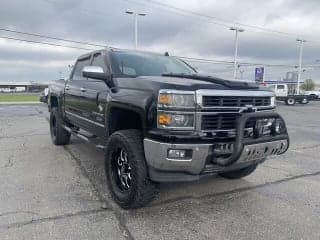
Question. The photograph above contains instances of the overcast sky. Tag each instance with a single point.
(163, 29)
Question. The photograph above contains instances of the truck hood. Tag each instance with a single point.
(182, 82)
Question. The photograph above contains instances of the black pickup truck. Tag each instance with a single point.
(158, 120)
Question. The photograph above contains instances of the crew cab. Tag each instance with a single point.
(158, 120)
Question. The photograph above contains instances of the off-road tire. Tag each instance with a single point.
(239, 173)
(59, 135)
(142, 189)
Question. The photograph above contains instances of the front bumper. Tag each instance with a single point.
(203, 159)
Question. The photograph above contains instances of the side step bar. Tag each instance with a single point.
(92, 139)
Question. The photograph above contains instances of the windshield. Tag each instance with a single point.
(127, 63)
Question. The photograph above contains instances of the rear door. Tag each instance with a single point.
(95, 96)
(74, 93)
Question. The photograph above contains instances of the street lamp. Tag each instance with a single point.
(136, 14)
(237, 30)
(301, 41)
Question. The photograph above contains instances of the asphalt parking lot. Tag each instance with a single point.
(50, 192)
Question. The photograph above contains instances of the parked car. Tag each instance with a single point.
(315, 94)
(44, 95)
(160, 121)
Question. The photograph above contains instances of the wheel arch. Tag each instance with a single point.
(121, 117)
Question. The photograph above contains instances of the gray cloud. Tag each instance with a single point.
(161, 30)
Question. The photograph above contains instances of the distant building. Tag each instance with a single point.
(22, 86)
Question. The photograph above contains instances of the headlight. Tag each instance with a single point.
(176, 99)
(176, 120)
(273, 101)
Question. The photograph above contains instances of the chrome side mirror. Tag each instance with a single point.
(95, 72)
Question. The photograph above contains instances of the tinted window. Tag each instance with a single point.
(127, 63)
(77, 74)
(280, 87)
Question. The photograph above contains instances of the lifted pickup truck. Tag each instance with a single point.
(160, 121)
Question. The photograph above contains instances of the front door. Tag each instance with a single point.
(74, 98)
(95, 96)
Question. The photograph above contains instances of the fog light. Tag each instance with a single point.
(276, 127)
(177, 153)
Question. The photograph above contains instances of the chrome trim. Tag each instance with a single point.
(92, 69)
(85, 119)
(228, 93)
(156, 154)
(262, 150)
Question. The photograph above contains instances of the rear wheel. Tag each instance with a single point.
(239, 173)
(59, 135)
(126, 170)
(304, 101)
(290, 101)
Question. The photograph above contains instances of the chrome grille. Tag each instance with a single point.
(222, 122)
(235, 101)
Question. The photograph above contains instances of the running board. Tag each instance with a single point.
(90, 139)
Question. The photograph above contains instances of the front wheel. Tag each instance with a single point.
(126, 170)
(239, 173)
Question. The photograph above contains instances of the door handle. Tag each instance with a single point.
(83, 89)
(67, 87)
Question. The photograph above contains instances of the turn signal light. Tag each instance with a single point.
(165, 99)
(164, 119)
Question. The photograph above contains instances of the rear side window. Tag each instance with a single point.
(77, 74)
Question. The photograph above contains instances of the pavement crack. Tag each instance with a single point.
(119, 216)
(279, 169)
(86, 175)
(17, 212)
(244, 189)
(306, 147)
(48, 219)
(22, 136)
(9, 163)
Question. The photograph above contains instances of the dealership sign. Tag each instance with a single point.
(259, 74)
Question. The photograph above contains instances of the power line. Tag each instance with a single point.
(52, 38)
(248, 64)
(44, 43)
(204, 60)
(215, 20)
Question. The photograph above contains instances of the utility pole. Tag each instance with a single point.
(301, 41)
(237, 30)
(135, 14)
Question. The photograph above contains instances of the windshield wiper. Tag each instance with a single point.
(227, 83)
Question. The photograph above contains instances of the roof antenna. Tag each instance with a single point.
(166, 54)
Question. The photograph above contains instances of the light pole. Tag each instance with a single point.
(135, 14)
(237, 30)
(301, 41)
(241, 73)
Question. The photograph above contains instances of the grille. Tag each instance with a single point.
(229, 101)
(222, 122)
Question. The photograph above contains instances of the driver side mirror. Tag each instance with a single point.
(95, 72)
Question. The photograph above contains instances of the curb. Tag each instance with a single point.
(20, 103)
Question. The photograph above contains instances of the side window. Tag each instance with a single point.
(77, 74)
(280, 87)
(98, 61)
